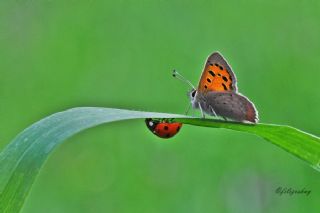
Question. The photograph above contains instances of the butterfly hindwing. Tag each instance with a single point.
(230, 105)
(217, 75)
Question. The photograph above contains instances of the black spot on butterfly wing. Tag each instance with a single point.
(225, 78)
(209, 80)
(212, 73)
(224, 86)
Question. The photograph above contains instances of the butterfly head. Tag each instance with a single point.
(192, 94)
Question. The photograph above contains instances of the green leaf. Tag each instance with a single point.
(22, 159)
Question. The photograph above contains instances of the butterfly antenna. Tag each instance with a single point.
(181, 78)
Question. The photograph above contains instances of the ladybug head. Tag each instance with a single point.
(151, 124)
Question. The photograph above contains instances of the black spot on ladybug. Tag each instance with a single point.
(224, 78)
(205, 86)
(224, 86)
(178, 128)
(165, 127)
(221, 68)
(212, 73)
(209, 80)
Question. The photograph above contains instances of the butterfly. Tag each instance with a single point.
(217, 92)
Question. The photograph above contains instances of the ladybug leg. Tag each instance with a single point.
(170, 120)
(161, 120)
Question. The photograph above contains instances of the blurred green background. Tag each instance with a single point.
(58, 54)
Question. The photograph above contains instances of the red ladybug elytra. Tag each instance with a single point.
(163, 128)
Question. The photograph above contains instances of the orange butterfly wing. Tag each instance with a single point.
(217, 75)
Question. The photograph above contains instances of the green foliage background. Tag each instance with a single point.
(59, 54)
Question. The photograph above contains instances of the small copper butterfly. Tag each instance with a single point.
(163, 128)
(217, 92)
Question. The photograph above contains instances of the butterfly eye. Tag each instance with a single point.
(193, 93)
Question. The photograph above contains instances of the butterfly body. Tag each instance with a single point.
(217, 92)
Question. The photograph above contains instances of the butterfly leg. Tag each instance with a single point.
(188, 108)
(214, 113)
(193, 115)
(201, 111)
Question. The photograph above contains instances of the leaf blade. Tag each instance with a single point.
(285, 137)
(22, 159)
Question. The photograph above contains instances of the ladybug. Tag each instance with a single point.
(163, 128)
